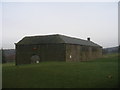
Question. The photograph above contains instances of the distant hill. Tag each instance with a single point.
(8, 54)
(0, 56)
(111, 50)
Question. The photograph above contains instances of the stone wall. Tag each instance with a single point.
(82, 53)
(46, 52)
(55, 52)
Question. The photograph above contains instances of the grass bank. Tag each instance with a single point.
(99, 73)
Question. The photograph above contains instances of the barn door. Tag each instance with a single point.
(35, 59)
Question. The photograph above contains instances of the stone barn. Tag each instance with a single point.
(35, 49)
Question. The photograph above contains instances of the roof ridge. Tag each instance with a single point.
(44, 35)
(74, 38)
(55, 38)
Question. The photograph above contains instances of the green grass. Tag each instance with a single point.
(92, 74)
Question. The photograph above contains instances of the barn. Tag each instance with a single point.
(36, 49)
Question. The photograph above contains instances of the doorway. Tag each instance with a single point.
(35, 59)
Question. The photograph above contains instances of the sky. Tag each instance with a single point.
(97, 20)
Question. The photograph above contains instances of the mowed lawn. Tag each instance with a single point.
(99, 73)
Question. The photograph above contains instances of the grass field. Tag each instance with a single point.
(99, 73)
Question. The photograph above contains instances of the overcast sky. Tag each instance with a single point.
(97, 20)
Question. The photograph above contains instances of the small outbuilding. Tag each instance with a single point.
(36, 49)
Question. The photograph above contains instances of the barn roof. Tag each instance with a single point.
(57, 38)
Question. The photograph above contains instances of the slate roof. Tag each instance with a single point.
(57, 38)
